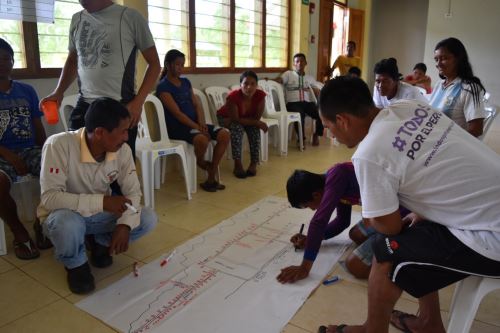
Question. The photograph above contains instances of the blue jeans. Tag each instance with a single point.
(67, 229)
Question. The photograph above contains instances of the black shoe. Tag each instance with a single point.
(99, 255)
(80, 279)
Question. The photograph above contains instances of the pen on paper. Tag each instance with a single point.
(300, 233)
(167, 259)
(331, 280)
(132, 208)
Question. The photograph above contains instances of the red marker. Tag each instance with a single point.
(167, 259)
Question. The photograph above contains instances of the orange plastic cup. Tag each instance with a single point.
(49, 109)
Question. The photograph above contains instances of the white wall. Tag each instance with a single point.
(476, 24)
(398, 30)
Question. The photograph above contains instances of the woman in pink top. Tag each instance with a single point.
(241, 113)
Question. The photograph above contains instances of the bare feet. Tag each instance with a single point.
(410, 323)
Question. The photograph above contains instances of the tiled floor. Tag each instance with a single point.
(35, 297)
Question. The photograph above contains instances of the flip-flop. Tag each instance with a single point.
(399, 321)
(339, 329)
(26, 250)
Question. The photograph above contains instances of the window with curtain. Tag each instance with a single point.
(169, 24)
(276, 33)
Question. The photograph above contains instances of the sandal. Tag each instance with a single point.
(42, 241)
(398, 320)
(220, 186)
(240, 174)
(209, 187)
(26, 250)
(339, 329)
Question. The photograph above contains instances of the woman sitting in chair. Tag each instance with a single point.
(185, 118)
(241, 113)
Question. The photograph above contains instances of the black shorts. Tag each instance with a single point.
(188, 134)
(428, 257)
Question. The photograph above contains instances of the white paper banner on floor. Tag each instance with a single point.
(223, 280)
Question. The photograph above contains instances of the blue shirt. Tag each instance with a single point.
(183, 98)
(18, 108)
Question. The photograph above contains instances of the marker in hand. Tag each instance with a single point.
(132, 208)
(300, 233)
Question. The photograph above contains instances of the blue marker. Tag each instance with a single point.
(331, 281)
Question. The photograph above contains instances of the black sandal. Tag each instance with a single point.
(209, 187)
(25, 250)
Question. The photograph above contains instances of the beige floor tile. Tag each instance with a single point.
(21, 295)
(5, 266)
(489, 310)
(104, 281)
(162, 238)
(290, 328)
(60, 316)
(11, 257)
(194, 216)
(343, 302)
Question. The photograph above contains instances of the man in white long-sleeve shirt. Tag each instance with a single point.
(77, 170)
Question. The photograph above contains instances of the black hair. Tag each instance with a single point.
(421, 66)
(4, 45)
(352, 42)
(297, 55)
(105, 112)
(170, 57)
(464, 68)
(388, 67)
(354, 70)
(301, 185)
(248, 74)
(345, 94)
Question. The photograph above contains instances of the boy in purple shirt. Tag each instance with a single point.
(337, 189)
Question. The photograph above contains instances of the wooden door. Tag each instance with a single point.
(324, 38)
(356, 29)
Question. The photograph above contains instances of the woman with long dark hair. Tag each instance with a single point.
(185, 118)
(460, 94)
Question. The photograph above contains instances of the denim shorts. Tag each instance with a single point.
(31, 156)
(364, 251)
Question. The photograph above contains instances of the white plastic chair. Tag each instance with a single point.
(491, 113)
(148, 151)
(191, 156)
(67, 105)
(466, 299)
(284, 117)
(26, 194)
